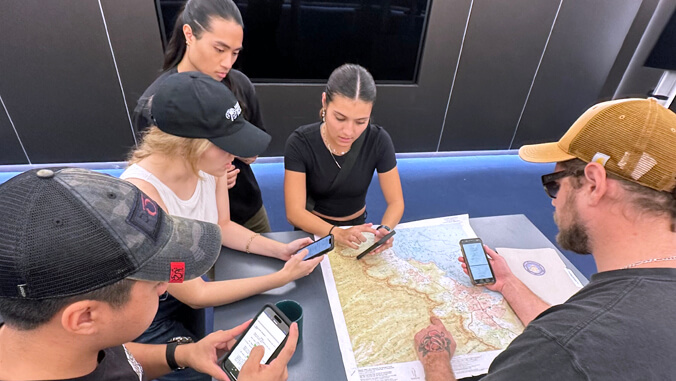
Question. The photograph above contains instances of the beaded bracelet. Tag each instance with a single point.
(248, 244)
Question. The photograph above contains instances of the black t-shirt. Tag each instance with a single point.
(245, 196)
(619, 327)
(114, 366)
(305, 152)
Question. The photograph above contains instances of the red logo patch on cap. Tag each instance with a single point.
(177, 272)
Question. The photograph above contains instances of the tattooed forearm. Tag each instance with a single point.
(435, 341)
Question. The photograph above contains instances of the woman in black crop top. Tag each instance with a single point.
(316, 153)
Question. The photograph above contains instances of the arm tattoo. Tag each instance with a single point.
(435, 341)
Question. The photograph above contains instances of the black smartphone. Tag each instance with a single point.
(270, 328)
(318, 247)
(376, 245)
(478, 267)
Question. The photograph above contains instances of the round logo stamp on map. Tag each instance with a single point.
(534, 268)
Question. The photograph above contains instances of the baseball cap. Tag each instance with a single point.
(70, 231)
(634, 139)
(194, 105)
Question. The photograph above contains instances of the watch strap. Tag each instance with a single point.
(170, 355)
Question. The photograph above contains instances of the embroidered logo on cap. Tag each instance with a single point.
(233, 112)
(146, 216)
(600, 158)
(177, 272)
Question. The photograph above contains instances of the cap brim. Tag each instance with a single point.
(248, 141)
(193, 245)
(544, 153)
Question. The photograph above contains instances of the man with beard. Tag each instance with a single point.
(614, 195)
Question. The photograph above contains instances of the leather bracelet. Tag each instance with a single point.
(389, 229)
(171, 359)
(248, 244)
(330, 230)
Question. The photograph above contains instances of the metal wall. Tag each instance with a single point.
(493, 75)
(70, 71)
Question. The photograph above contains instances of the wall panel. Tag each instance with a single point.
(505, 41)
(59, 82)
(584, 45)
(11, 148)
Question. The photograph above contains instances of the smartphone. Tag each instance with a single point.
(478, 267)
(270, 328)
(376, 245)
(318, 247)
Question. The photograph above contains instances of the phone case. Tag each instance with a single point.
(483, 281)
(377, 244)
(274, 354)
(331, 247)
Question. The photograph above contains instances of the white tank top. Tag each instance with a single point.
(200, 206)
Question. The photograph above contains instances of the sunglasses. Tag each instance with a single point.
(551, 183)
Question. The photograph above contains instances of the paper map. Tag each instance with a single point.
(381, 301)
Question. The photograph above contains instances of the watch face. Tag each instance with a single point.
(181, 340)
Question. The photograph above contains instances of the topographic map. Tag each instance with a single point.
(381, 301)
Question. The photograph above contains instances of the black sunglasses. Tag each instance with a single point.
(551, 184)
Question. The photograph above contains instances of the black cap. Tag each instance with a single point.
(194, 105)
(66, 232)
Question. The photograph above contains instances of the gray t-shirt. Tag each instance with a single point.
(619, 327)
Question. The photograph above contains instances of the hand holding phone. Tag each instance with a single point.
(253, 370)
(269, 329)
(318, 247)
(377, 244)
(478, 267)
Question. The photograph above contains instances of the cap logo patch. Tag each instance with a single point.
(146, 216)
(22, 290)
(233, 112)
(600, 158)
(177, 272)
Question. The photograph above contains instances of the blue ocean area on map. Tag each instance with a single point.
(433, 244)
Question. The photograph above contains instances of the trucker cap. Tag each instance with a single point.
(70, 231)
(634, 139)
(194, 105)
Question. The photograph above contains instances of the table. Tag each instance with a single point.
(318, 356)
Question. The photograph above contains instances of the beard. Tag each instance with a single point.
(573, 237)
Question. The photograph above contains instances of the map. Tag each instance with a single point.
(381, 301)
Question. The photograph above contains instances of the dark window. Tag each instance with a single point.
(663, 55)
(303, 41)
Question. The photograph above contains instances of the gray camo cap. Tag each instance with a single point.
(69, 231)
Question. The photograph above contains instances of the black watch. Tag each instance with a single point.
(389, 229)
(171, 349)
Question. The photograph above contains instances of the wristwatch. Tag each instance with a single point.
(171, 349)
(389, 229)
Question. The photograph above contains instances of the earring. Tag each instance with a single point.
(323, 115)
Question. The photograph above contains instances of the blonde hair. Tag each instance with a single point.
(155, 141)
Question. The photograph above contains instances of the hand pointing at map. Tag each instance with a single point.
(435, 348)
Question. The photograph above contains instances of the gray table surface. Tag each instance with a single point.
(318, 356)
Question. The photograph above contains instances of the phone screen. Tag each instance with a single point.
(319, 246)
(264, 331)
(477, 261)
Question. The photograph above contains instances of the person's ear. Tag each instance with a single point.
(84, 317)
(596, 182)
(187, 33)
(324, 100)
